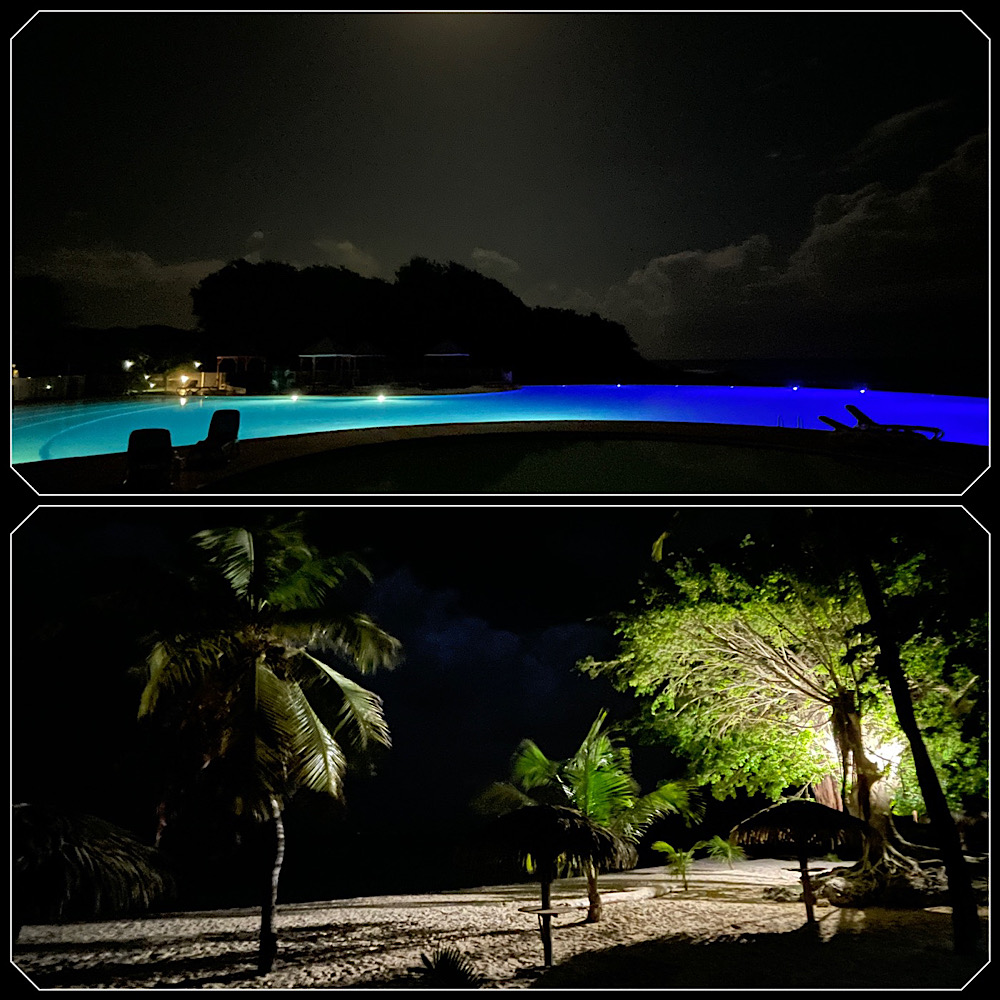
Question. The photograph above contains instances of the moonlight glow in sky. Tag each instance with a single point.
(674, 172)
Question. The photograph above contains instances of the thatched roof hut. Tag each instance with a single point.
(798, 823)
(805, 826)
(548, 835)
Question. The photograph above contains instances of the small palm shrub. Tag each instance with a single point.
(448, 968)
(719, 849)
(678, 862)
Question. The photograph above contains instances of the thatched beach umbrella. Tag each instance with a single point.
(70, 866)
(543, 838)
(802, 825)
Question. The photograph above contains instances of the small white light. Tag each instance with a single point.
(127, 365)
(795, 388)
(862, 390)
(295, 396)
(380, 397)
(184, 400)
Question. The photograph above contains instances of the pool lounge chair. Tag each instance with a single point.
(221, 444)
(865, 424)
(152, 465)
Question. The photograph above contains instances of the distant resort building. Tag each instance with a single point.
(328, 365)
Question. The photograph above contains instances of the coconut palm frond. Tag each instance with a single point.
(664, 848)
(599, 747)
(530, 768)
(308, 585)
(672, 798)
(316, 760)
(601, 794)
(294, 748)
(232, 551)
(362, 709)
(499, 798)
(358, 639)
(178, 665)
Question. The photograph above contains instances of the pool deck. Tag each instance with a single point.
(103, 474)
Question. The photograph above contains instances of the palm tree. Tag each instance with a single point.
(240, 691)
(597, 781)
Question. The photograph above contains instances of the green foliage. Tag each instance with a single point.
(737, 673)
(950, 700)
(742, 658)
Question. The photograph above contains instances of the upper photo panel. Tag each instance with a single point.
(526, 253)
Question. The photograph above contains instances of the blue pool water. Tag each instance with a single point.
(67, 430)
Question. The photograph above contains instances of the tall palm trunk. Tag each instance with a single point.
(269, 906)
(964, 912)
(594, 911)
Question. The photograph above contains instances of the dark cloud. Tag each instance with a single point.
(907, 130)
(875, 244)
(872, 249)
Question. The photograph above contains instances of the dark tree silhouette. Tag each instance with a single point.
(274, 309)
(42, 313)
(449, 302)
(246, 305)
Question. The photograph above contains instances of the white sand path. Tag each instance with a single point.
(719, 932)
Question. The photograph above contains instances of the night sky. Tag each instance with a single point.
(723, 184)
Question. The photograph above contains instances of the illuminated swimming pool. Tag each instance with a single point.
(69, 430)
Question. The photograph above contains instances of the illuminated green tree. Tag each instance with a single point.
(750, 680)
(240, 695)
(766, 661)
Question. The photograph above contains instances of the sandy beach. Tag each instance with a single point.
(724, 930)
